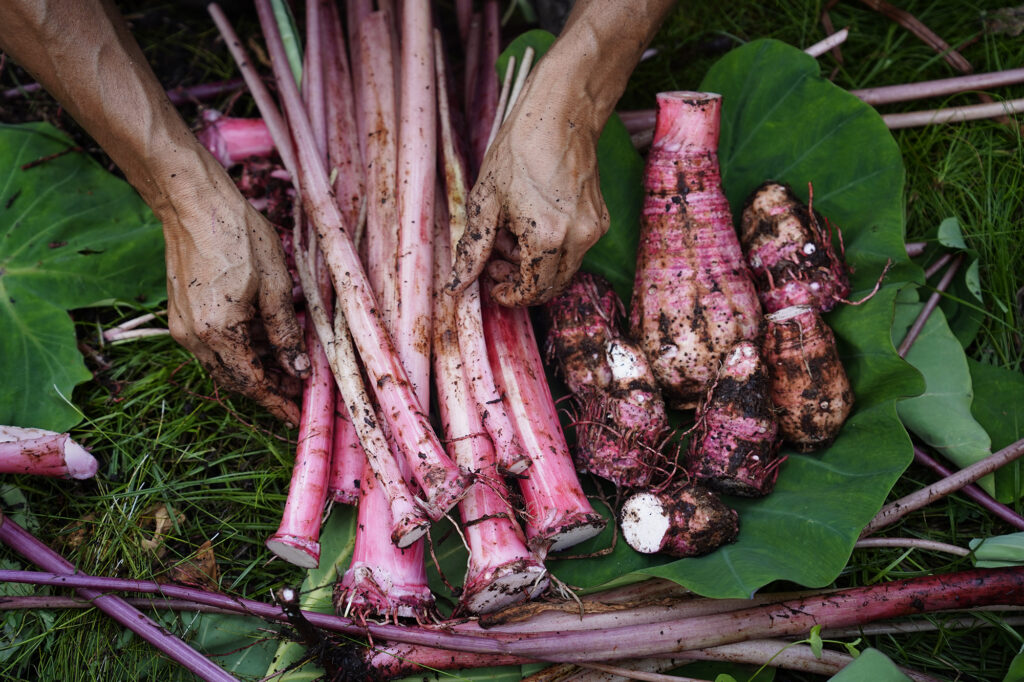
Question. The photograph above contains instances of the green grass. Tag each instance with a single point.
(165, 438)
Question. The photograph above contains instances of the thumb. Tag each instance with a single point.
(474, 247)
(278, 314)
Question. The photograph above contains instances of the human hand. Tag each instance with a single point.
(539, 180)
(224, 265)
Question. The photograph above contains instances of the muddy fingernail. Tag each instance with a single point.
(301, 362)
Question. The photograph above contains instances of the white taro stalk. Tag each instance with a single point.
(502, 571)
(377, 123)
(472, 343)
(417, 172)
(43, 453)
(441, 481)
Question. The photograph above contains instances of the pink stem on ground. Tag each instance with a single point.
(833, 609)
(181, 94)
(938, 88)
(442, 483)
(417, 173)
(894, 511)
(382, 579)
(502, 571)
(915, 249)
(43, 453)
(231, 140)
(929, 306)
(558, 514)
(297, 538)
(28, 546)
(972, 491)
(472, 343)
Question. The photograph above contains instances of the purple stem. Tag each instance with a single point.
(178, 95)
(929, 306)
(937, 265)
(840, 608)
(30, 547)
(34, 602)
(972, 491)
(185, 95)
(915, 249)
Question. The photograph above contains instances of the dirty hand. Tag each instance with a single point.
(539, 181)
(224, 261)
(225, 269)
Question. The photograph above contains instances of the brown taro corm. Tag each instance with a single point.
(621, 414)
(789, 251)
(684, 521)
(694, 296)
(810, 388)
(735, 443)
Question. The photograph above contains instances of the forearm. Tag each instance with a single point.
(601, 44)
(82, 53)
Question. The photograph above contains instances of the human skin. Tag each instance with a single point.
(225, 265)
(539, 178)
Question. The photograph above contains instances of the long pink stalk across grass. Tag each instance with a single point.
(794, 617)
(441, 481)
(25, 544)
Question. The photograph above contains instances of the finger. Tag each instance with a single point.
(506, 246)
(474, 246)
(283, 329)
(577, 242)
(537, 269)
(232, 363)
(501, 271)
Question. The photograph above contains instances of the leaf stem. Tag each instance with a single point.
(894, 511)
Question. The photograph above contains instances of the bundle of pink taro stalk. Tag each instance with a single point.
(368, 140)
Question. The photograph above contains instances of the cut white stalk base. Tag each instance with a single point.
(43, 453)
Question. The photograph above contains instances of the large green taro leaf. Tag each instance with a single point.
(941, 416)
(782, 121)
(71, 235)
(999, 407)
